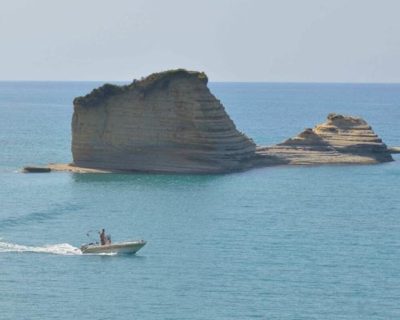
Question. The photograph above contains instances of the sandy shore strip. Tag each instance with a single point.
(75, 169)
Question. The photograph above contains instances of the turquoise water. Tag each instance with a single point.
(271, 243)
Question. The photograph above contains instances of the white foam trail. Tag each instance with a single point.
(61, 249)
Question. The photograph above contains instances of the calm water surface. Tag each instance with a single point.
(272, 243)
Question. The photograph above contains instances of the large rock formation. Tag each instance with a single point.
(340, 140)
(167, 122)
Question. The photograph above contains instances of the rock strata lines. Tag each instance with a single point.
(167, 122)
(340, 140)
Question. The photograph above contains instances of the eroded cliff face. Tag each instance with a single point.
(167, 122)
(340, 140)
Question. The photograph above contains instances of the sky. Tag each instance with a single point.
(230, 40)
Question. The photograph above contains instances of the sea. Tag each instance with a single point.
(299, 242)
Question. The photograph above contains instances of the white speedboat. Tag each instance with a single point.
(127, 247)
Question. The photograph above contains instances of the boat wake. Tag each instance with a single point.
(60, 249)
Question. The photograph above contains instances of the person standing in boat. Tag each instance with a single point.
(103, 238)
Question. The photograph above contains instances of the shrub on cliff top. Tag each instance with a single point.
(145, 85)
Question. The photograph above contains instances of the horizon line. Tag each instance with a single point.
(219, 81)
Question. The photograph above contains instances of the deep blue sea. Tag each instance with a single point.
(273, 243)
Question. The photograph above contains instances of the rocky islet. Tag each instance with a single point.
(171, 122)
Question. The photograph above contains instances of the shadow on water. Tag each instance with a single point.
(144, 179)
(111, 257)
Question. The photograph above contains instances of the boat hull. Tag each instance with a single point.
(129, 247)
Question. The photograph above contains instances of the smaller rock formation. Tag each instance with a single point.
(340, 140)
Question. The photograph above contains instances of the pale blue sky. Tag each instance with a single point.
(253, 40)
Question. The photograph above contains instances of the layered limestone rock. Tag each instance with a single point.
(340, 140)
(167, 122)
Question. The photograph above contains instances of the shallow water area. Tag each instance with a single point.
(319, 242)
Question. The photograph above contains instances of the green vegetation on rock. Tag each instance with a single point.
(145, 85)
